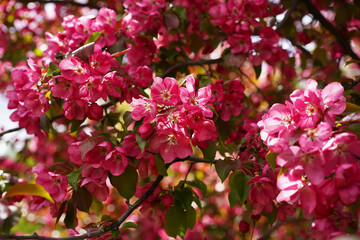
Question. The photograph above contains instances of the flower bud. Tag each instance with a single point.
(145, 130)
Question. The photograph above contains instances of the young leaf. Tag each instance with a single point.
(73, 179)
(160, 165)
(233, 197)
(28, 189)
(198, 184)
(126, 182)
(209, 152)
(94, 37)
(141, 142)
(257, 71)
(70, 215)
(82, 199)
(175, 221)
(350, 107)
(129, 225)
(239, 182)
(271, 159)
(190, 217)
(184, 196)
(223, 168)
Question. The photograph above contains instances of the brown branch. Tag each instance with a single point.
(120, 220)
(287, 15)
(10, 131)
(73, 3)
(180, 65)
(343, 41)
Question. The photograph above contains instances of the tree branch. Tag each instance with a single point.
(120, 220)
(180, 65)
(89, 4)
(343, 41)
(287, 15)
(10, 131)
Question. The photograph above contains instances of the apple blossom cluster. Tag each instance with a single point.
(176, 110)
(319, 161)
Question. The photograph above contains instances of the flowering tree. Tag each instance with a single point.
(194, 119)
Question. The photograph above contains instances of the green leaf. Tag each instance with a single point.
(198, 184)
(190, 217)
(223, 168)
(350, 107)
(26, 227)
(239, 182)
(82, 199)
(197, 199)
(209, 152)
(105, 218)
(96, 205)
(181, 12)
(271, 216)
(213, 110)
(257, 71)
(271, 159)
(94, 37)
(184, 196)
(115, 233)
(70, 216)
(141, 142)
(208, 27)
(129, 225)
(75, 125)
(175, 221)
(160, 165)
(233, 197)
(73, 178)
(126, 182)
(52, 69)
(28, 189)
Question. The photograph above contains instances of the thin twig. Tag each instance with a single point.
(343, 41)
(10, 131)
(120, 220)
(287, 15)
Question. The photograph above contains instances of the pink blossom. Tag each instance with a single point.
(95, 112)
(64, 88)
(143, 107)
(92, 89)
(165, 91)
(54, 184)
(75, 108)
(95, 181)
(131, 146)
(206, 133)
(115, 161)
(192, 100)
(74, 69)
(347, 181)
(342, 148)
(100, 61)
(171, 144)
